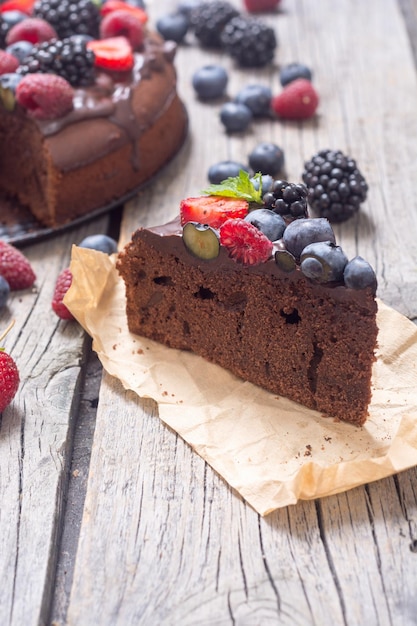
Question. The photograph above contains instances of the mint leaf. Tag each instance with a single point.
(239, 186)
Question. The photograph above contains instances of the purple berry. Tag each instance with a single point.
(235, 117)
(210, 82)
(300, 233)
(268, 222)
(267, 158)
(257, 98)
(102, 243)
(225, 169)
(173, 27)
(4, 291)
(358, 274)
(323, 261)
(293, 71)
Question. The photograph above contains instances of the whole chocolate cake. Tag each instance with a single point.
(81, 139)
(272, 299)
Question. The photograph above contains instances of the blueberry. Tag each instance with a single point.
(235, 117)
(8, 84)
(173, 26)
(102, 243)
(188, 6)
(140, 4)
(20, 49)
(225, 169)
(257, 98)
(4, 291)
(293, 71)
(302, 232)
(359, 274)
(323, 261)
(267, 158)
(267, 182)
(201, 240)
(210, 82)
(268, 222)
(13, 17)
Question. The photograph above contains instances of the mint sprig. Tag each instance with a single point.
(240, 186)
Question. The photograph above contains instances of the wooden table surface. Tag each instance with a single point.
(106, 516)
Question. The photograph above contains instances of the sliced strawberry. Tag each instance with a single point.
(212, 210)
(114, 53)
(246, 244)
(116, 5)
(25, 6)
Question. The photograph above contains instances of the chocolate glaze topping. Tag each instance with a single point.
(168, 237)
(115, 110)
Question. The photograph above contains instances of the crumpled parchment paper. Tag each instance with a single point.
(270, 449)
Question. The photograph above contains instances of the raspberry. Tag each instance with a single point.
(8, 63)
(113, 54)
(298, 101)
(63, 283)
(122, 23)
(45, 96)
(257, 6)
(115, 5)
(25, 6)
(33, 29)
(15, 268)
(246, 244)
(9, 379)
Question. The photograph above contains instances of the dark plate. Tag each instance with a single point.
(18, 226)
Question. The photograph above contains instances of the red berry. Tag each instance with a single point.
(114, 53)
(45, 96)
(8, 62)
(25, 6)
(122, 23)
(63, 283)
(9, 379)
(116, 5)
(298, 101)
(245, 242)
(257, 6)
(212, 210)
(34, 29)
(15, 268)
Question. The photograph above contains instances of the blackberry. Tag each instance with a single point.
(287, 199)
(70, 17)
(68, 58)
(208, 21)
(336, 187)
(250, 42)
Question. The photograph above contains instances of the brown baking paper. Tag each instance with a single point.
(270, 449)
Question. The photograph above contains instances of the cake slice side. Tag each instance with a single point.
(312, 343)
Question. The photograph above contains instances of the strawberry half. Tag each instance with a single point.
(117, 5)
(212, 210)
(25, 6)
(298, 101)
(114, 53)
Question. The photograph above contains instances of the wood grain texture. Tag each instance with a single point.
(163, 539)
(36, 435)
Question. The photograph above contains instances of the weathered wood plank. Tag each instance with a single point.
(164, 540)
(36, 434)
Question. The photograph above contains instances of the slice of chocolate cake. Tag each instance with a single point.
(300, 323)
